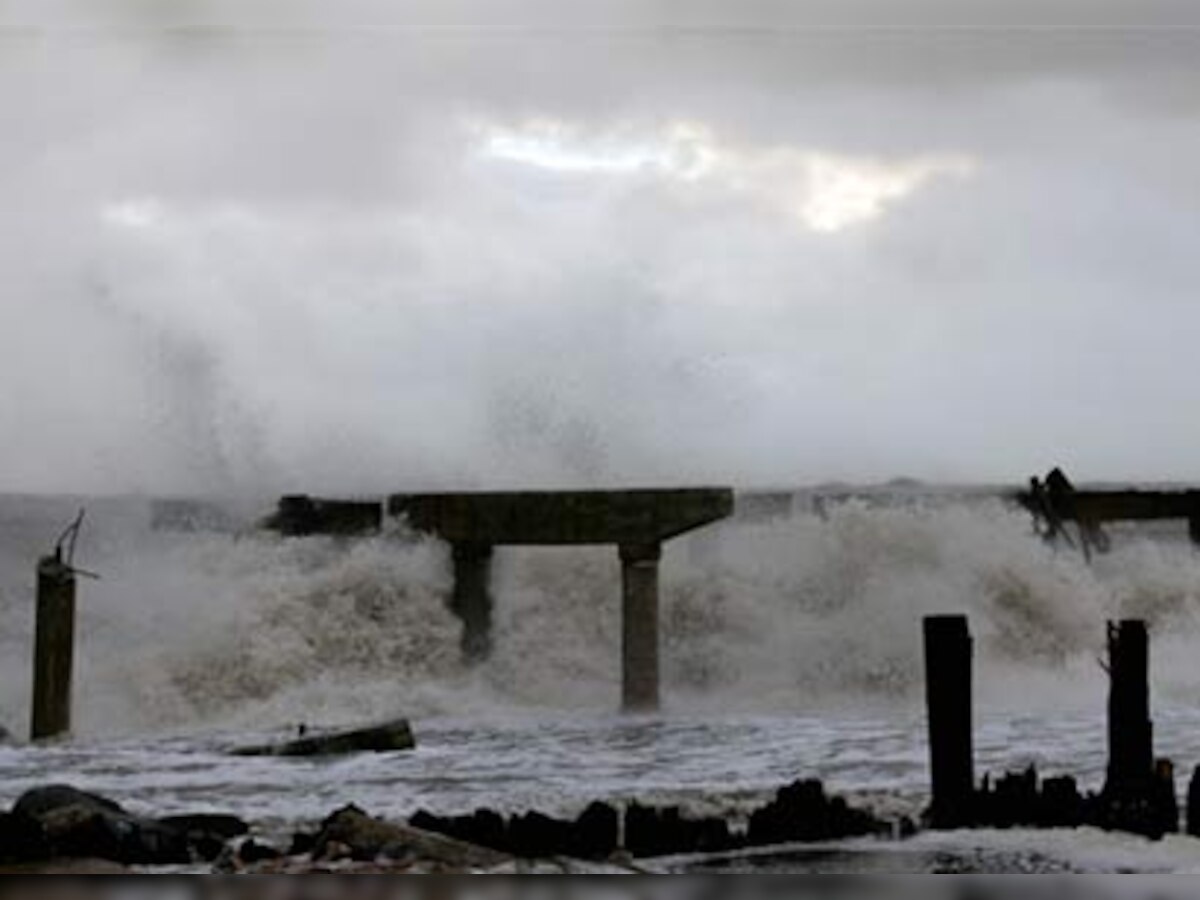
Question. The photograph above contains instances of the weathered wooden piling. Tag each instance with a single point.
(54, 648)
(1139, 792)
(1130, 732)
(1193, 804)
(471, 600)
(639, 626)
(948, 653)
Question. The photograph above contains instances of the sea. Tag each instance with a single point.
(790, 644)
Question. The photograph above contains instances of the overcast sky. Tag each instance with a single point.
(366, 246)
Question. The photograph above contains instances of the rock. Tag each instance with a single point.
(484, 827)
(302, 844)
(251, 851)
(385, 738)
(78, 824)
(22, 839)
(532, 835)
(6, 736)
(207, 833)
(369, 839)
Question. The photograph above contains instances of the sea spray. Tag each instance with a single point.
(787, 615)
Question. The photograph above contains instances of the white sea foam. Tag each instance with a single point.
(789, 615)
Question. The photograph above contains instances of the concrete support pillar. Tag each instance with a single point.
(472, 600)
(54, 649)
(948, 697)
(639, 627)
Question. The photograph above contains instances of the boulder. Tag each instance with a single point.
(207, 833)
(484, 827)
(81, 825)
(22, 839)
(368, 839)
(384, 738)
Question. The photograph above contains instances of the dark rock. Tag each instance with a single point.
(78, 824)
(22, 839)
(6, 736)
(207, 833)
(367, 838)
(484, 827)
(216, 824)
(251, 851)
(302, 844)
(38, 801)
(385, 738)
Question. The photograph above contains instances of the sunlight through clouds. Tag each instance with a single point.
(826, 192)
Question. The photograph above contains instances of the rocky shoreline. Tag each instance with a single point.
(62, 828)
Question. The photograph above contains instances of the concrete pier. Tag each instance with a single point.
(471, 599)
(948, 653)
(54, 649)
(639, 627)
(636, 520)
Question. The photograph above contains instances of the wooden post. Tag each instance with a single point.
(54, 648)
(472, 599)
(1193, 804)
(948, 698)
(639, 627)
(1194, 529)
(1130, 732)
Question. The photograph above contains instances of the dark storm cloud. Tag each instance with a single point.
(270, 246)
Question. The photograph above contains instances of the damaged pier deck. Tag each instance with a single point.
(1054, 501)
(636, 521)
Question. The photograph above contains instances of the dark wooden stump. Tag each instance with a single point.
(1193, 804)
(948, 698)
(1130, 732)
(54, 649)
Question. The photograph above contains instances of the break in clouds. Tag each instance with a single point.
(378, 246)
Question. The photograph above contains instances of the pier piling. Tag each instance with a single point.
(1193, 804)
(471, 600)
(948, 653)
(1130, 732)
(54, 647)
(639, 625)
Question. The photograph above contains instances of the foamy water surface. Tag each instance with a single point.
(791, 649)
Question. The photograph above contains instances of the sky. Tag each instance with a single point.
(366, 246)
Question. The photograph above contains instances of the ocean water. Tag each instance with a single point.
(791, 649)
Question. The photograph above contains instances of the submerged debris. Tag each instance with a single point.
(385, 738)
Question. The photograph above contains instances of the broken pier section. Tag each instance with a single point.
(636, 521)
